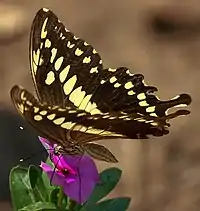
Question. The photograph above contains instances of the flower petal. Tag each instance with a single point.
(46, 144)
(61, 163)
(74, 160)
(84, 165)
(57, 177)
(78, 191)
(88, 170)
(86, 180)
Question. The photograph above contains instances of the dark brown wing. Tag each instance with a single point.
(61, 63)
(68, 72)
(55, 122)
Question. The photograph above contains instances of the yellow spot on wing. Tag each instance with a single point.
(94, 51)
(36, 109)
(176, 97)
(94, 70)
(83, 129)
(180, 106)
(29, 103)
(51, 116)
(69, 85)
(85, 43)
(43, 32)
(43, 112)
(129, 73)
(112, 69)
(151, 109)
(59, 121)
(22, 96)
(95, 111)
(143, 103)
(106, 116)
(141, 96)
(81, 114)
(53, 54)
(113, 79)
(128, 85)
(50, 78)
(153, 114)
(36, 56)
(37, 118)
(45, 9)
(131, 92)
(69, 45)
(72, 111)
(141, 120)
(62, 109)
(112, 117)
(78, 52)
(58, 63)
(63, 74)
(77, 96)
(85, 102)
(21, 108)
(47, 43)
(90, 107)
(154, 123)
(87, 60)
(67, 125)
(116, 85)
(94, 131)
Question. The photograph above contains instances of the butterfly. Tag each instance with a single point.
(79, 101)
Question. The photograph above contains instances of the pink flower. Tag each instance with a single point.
(78, 175)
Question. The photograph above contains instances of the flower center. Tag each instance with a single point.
(64, 171)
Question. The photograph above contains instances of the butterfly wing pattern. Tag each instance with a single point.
(79, 101)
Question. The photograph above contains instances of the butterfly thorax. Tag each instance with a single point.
(71, 148)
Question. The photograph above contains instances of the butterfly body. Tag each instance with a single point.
(79, 101)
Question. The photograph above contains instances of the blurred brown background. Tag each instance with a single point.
(158, 38)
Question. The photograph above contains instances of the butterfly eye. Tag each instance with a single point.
(58, 150)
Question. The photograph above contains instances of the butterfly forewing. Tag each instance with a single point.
(63, 64)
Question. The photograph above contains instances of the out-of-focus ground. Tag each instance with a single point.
(157, 38)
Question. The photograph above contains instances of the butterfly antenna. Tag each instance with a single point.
(33, 155)
(54, 169)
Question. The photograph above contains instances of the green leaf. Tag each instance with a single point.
(20, 188)
(78, 207)
(37, 184)
(40, 206)
(109, 179)
(46, 179)
(117, 204)
(53, 197)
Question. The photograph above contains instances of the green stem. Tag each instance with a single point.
(70, 205)
(60, 197)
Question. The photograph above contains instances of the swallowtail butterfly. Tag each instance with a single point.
(79, 101)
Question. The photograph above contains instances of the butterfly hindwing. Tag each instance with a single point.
(55, 122)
